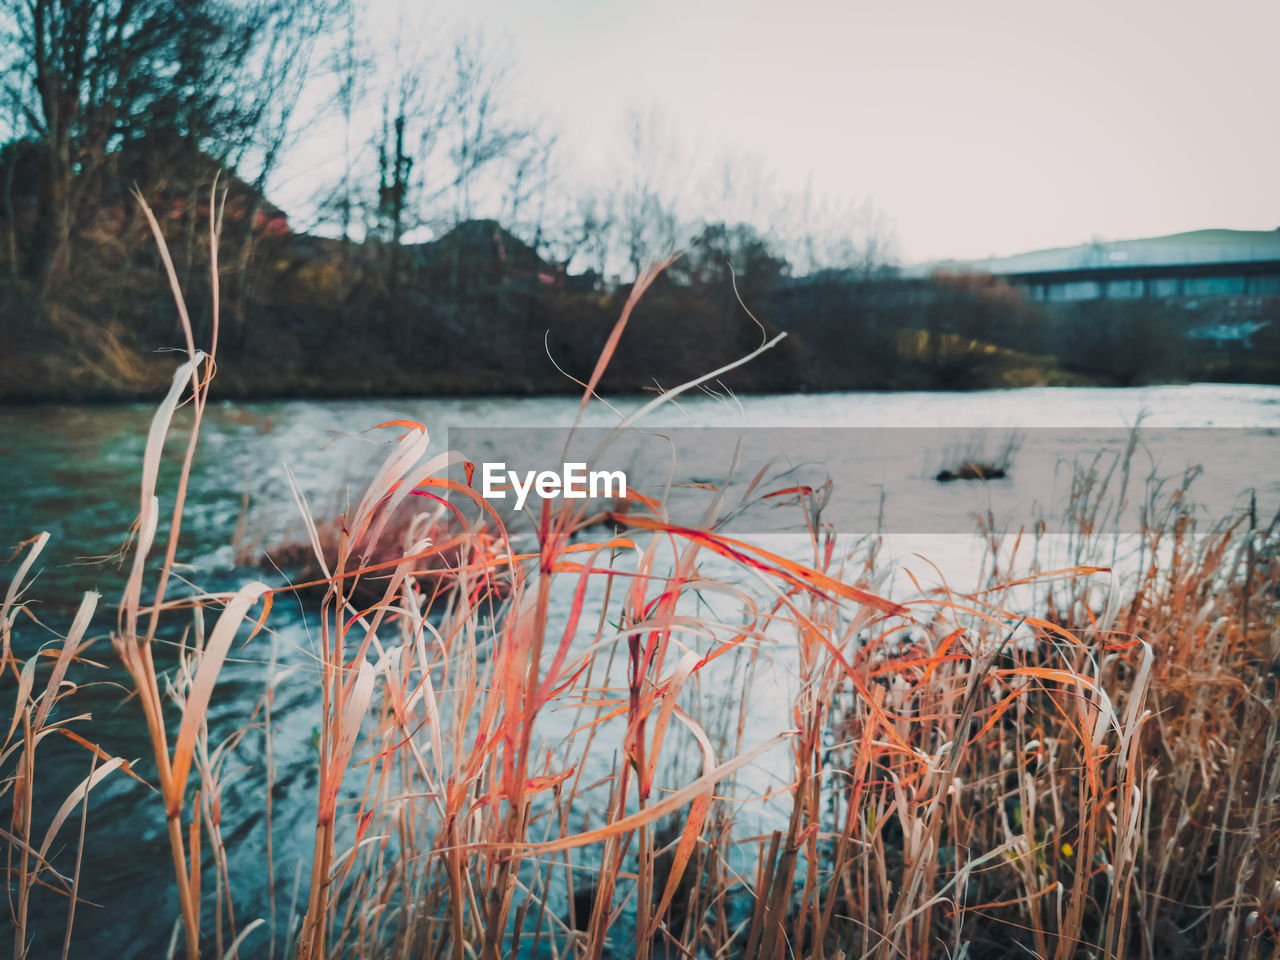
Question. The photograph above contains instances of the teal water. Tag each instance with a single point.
(73, 471)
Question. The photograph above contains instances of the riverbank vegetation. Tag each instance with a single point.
(441, 240)
(665, 742)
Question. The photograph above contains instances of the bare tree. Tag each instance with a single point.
(351, 66)
(740, 189)
(71, 71)
(650, 225)
(597, 215)
(414, 112)
(825, 234)
(394, 169)
(481, 133)
(447, 146)
(88, 77)
(529, 188)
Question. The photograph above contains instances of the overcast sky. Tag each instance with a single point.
(977, 127)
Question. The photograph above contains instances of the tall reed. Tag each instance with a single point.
(558, 753)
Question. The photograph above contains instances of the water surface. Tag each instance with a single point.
(73, 471)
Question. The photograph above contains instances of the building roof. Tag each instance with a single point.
(1194, 247)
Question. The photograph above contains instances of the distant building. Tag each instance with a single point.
(1228, 279)
(176, 179)
(171, 174)
(1203, 263)
(480, 254)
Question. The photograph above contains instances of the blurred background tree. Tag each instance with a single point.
(86, 80)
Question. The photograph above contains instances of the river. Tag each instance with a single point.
(73, 471)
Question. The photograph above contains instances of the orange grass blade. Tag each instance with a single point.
(667, 804)
(688, 663)
(688, 841)
(795, 573)
(606, 353)
(97, 751)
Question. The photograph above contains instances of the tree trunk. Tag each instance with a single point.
(50, 255)
(10, 217)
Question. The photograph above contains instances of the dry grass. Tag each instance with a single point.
(553, 754)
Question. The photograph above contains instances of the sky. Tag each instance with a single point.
(976, 128)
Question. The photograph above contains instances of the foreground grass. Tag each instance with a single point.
(1064, 763)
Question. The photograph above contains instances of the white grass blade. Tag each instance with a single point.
(26, 680)
(15, 585)
(69, 646)
(211, 660)
(309, 522)
(353, 712)
(74, 798)
(235, 944)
